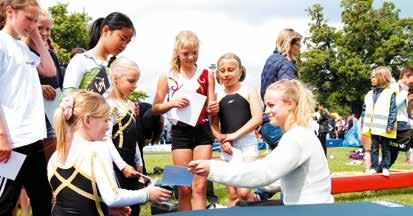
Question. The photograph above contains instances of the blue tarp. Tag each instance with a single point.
(351, 139)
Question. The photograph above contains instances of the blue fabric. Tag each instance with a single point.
(271, 134)
(277, 67)
(402, 125)
(351, 139)
(336, 209)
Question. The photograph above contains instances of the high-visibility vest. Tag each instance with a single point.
(377, 114)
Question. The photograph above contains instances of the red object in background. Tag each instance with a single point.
(359, 183)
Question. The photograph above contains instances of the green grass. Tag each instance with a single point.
(338, 160)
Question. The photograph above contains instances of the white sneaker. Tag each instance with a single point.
(385, 172)
(371, 172)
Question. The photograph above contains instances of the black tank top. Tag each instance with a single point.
(234, 112)
(124, 136)
(76, 194)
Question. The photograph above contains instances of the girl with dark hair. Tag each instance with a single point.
(108, 37)
(90, 70)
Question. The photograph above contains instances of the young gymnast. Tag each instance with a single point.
(188, 142)
(240, 113)
(80, 171)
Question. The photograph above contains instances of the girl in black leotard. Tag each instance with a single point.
(80, 171)
(240, 112)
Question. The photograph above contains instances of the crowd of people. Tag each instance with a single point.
(88, 158)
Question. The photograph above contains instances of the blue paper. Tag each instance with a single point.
(175, 175)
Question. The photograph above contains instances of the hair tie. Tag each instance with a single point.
(67, 105)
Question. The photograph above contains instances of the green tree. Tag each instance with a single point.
(137, 96)
(338, 62)
(69, 30)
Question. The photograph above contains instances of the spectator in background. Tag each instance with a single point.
(323, 126)
(340, 127)
(75, 51)
(279, 66)
(404, 133)
(379, 119)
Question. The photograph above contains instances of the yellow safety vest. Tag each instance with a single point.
(377, 114)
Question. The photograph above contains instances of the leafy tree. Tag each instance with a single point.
(69, 30)
(338, 62)
(137, 96)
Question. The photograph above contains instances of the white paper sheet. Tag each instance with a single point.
(189, 114)
(50, 107)
(235, 157)
(12, 167)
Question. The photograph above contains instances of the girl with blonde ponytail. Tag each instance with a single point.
(80, 172)
(298, 161)
(188, 142)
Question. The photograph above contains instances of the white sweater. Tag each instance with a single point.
(401, 102)
(299, 162)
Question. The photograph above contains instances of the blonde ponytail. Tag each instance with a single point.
(70, 114)
(61, 134)
(295, 91)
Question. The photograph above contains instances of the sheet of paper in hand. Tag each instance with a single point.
(13, 166)
(176, 175)
(189, 114)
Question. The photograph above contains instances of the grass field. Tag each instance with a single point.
(338, 159)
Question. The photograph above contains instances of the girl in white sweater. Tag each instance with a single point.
(298, 160)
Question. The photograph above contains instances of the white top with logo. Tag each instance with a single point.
(21, 100)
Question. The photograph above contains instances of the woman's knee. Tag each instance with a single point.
(244, 194)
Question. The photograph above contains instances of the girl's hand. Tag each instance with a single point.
(226, 147)
(389, 130)
(213, 108)
(180, 103)
(230, 137)
(157, 194)
(35, 37)
(48, 92)
(129, 172)
(199, 167)
(5, 148)
(120, 211)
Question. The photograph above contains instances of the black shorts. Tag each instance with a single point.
(188, 137)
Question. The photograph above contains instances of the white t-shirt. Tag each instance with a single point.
(21, 100)
(81, 65)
